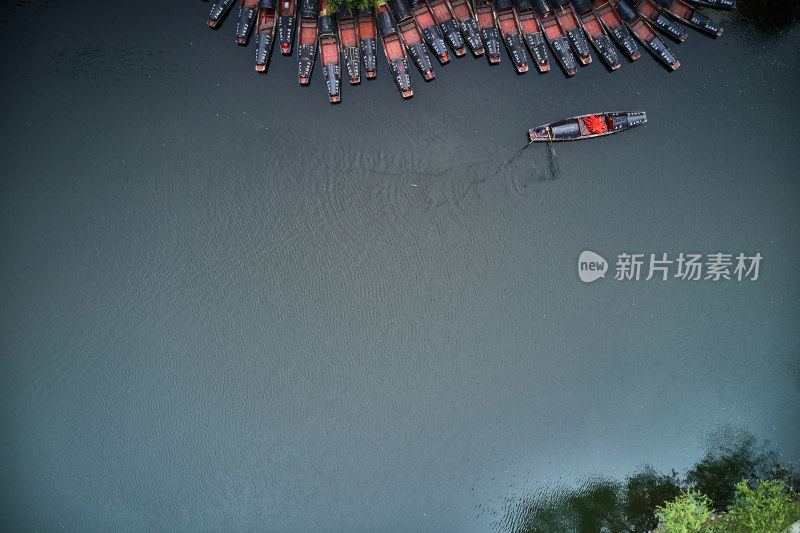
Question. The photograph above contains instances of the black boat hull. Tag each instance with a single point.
(573, 128)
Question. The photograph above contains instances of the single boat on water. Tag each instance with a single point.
(653, 13)
(329, 52)
(265, 32)
(218, 10)
(286, 18)
(468, 24)
(509, 28)
(571, 27)
(617, 28)
(430, 30)
(587, 126)
(393, 50)
(307, 39)
(247, 16)
(412, 37)
(593, 27)
(646, 35)
(448, 25)
(555, 36)
(348, 40)
(691, 16)
(532, 33)
(368, 36)
(484, 11)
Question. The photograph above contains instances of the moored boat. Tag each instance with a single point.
(265, 32)
(646, 35)
(617, 28)
(727, 4)
(286, 20)
(448, 25)
(587, 126)
(430, 30)
(218, 10)
(653, 13)
(393, 50)
(484, 11)
(691, 16)
(307, 39)
(247, 15)
(468, 24)
(509, 28)
(555, 36)
(593, 28)
(368, 37)
(571, 27)
(348, 40)
(412, 37)
(532, 33)
(328, 40)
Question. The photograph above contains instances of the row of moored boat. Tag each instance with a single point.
(567, 27)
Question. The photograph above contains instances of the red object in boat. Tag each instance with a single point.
(595, 124)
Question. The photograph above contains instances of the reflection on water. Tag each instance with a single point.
(599, 504)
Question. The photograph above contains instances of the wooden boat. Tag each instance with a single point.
(655, 16)
(247, 16)
(307, 39)
(727, 4)
(587, 126)
(468, 24)
(393, 50)
(484, 11)
(265, 32)
(349, 43)
(593, 28)
(412, 37)
(430, 30)
(532, 33)
(286, 19)
(218, 10)
(617, 28)
(555, 36)
(329, 52)
(691, 16)
(448, 25)
(368, 37)
(572, 29)
(646, 35)
(509, 28)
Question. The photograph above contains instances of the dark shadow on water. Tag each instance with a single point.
(773, 15)
(602, 505)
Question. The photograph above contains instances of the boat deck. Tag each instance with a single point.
(609, 16)
(567, 19)
(592, 25)
(393, 47)
(551, 28)
(347, 29)
(329, 50)
(410, 32)
(528, 22)
(508, 24)
(485, 16)
(308, 31)
(424, 18)
(461, 10)
(441, 12)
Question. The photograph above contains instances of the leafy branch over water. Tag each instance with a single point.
(354, 5)
(602, 505)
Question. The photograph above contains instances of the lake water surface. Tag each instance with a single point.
(231, 306)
